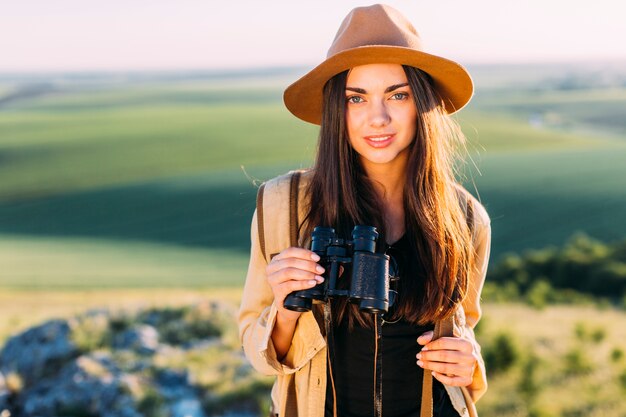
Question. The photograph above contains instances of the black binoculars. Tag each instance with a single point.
(368, 270)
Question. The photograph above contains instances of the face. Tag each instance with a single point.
(381, 117)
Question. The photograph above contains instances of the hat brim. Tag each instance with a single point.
(303, 98)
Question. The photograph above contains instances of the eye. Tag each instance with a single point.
(400, 96)
(355, 99)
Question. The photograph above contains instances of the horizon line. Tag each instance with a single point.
(242, 70)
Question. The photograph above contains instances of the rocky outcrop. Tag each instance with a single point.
(179, 362)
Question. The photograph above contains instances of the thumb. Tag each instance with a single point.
(425, 337)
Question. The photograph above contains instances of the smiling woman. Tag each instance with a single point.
(384, 159)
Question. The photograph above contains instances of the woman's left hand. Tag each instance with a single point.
(451, 359)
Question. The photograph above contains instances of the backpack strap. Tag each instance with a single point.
(294, 187)
(259, 218)
(293, 212)
(443, 328)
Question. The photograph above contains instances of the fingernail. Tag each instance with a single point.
(315, 257)
(320, 269)
(424, 349)
(313, 282)
(419, 356)
(319, 279)
(420, 364)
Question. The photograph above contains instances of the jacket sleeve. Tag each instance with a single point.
(471, 304)
(257, 315)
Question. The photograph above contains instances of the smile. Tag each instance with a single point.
(379, 141)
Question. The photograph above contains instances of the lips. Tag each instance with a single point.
(379, 141)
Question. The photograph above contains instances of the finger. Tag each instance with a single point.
(295, 252)
(453, 380)
(288, 287)
(305, 265)
(445, 368)
(448, 356)
(293, 274)
(449, 343)
(425, 337)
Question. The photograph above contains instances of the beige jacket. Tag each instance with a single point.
(300, 387)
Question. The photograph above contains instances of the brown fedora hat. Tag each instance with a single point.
(371, 35)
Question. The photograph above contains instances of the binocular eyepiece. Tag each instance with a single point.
(369, 271)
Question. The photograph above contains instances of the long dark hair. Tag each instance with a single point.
(342, 196)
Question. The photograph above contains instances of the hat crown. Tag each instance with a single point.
(378, 24)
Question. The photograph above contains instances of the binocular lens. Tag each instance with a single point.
(295, 303)
(364, 238)
(321, 238)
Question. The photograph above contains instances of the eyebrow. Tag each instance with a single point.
(387, 90)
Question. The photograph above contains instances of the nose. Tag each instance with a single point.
(379, 114)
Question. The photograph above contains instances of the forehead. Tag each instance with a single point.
(376, 76)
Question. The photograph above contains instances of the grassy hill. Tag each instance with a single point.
(156, 167)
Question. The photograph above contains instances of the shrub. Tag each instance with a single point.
(577, 362)
(251, 396)
(598, 334)
(584, 266)
(152, 403)
(529, 385)
(616, 355)
(622, 380)
(538, 411)
(91, 331)
(539, 294)
(502, 353)
(581, 331)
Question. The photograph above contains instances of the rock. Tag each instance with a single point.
(187, 407)
(183, 397)
(142, 339)
(90, 385)
(38, 351)
(102, 365)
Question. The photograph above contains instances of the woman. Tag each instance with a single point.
(385, 159)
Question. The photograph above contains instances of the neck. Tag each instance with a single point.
(388, 183)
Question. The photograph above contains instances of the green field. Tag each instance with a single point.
(108, 180)
(133, 191)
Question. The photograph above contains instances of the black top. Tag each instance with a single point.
(353, 364)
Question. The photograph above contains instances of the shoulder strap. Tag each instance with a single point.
(293, 208)
(443, 328)
(259, 218)
(293, 212)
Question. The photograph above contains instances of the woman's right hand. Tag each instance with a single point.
(291, 270)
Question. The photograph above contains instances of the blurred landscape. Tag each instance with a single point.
(136, 190)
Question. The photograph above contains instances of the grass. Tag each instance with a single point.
(80, 263)
(593, 110)
(570, 376)
(98, 148)
(155, 170)
(560, 354)
(540, 198)
(42, 305)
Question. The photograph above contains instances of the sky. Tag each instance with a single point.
(85, 35)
